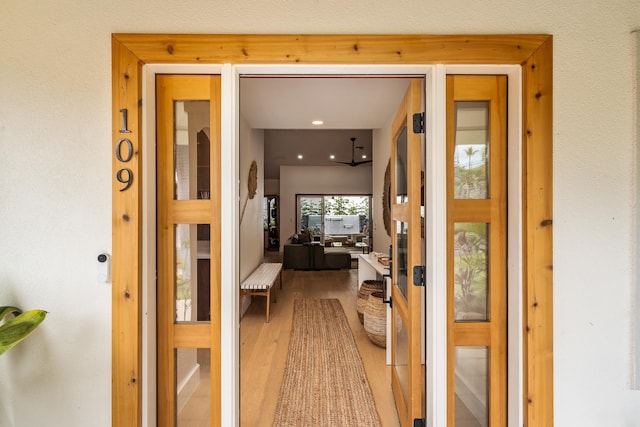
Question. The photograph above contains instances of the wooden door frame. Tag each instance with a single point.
(534, 53)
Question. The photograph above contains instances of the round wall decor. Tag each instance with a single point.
(252, 182)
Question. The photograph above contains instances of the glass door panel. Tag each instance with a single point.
(470, 272)
(401, 261)
(193, 387)
(401, 166)
(310, 213)
(401, 357)
(192, 287)
(471, 152)
(471, 386)
(191, 157)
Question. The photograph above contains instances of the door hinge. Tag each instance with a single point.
(418, 123)
(419, 422)
(418, 275)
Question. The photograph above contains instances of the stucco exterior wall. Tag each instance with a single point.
(55, 181)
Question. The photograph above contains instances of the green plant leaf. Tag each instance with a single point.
(17, 329)
(8, 310)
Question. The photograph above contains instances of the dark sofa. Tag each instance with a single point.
(307, 256)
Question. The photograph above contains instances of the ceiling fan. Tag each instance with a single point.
(353, 156)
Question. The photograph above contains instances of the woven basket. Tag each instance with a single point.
(366, 288)
(375, 319)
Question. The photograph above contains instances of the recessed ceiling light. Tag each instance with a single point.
(299, 156)
(332, 156)
(317, 122)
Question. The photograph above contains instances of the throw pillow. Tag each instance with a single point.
(305, 236)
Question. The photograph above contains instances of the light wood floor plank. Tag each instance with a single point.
(263, 348)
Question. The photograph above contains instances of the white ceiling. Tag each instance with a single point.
(349, 106)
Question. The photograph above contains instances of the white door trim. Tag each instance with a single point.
(436, 250)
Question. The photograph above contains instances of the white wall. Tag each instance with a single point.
(381, 155)
(271, 187)
(317, 180)
(251, 228)
(55, 181)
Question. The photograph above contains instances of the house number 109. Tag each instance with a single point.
(124, 175)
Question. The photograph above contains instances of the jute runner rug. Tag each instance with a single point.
(324, 381)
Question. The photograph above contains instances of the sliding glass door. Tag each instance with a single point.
(329, 216)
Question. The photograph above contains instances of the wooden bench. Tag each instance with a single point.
(260, 282)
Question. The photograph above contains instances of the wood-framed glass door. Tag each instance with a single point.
(131, 53)
(188, 249)
(406, 241)
(476, 251)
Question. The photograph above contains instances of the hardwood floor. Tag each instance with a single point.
(263, 352)
(263, 346)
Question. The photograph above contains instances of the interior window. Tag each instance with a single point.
(334, 217)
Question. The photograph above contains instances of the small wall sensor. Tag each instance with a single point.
(104, 268)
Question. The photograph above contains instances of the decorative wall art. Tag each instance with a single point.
(252, 182)
(252, 186)
(386, 199)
